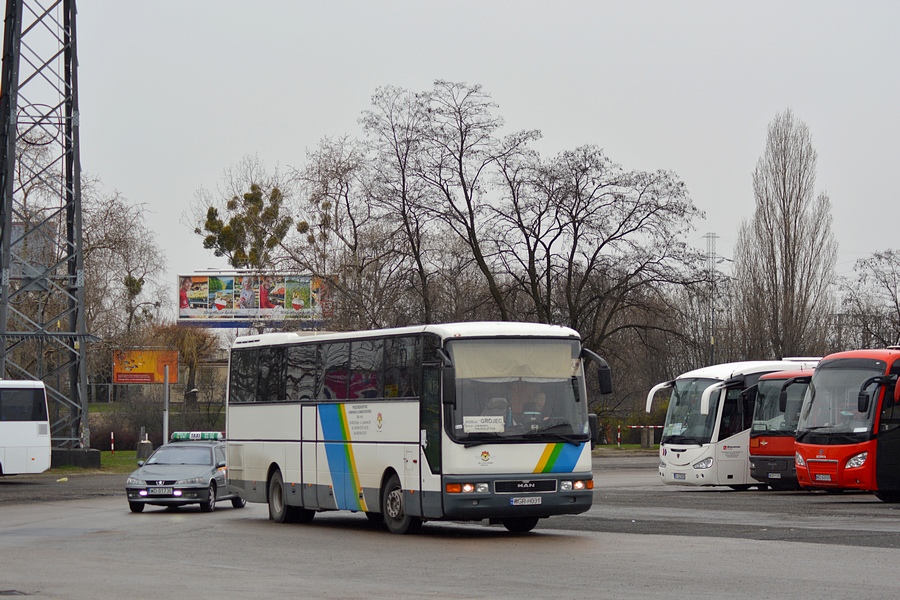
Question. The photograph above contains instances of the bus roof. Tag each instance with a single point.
(474, 329)
(20, 383)
(728, 370)
(788, 374)
(885, 354)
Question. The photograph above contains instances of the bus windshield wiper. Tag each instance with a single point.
(802, 434)
(481, 438)
(682, 439)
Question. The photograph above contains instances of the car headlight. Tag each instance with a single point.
(799, 460)
(134, 481)
(858, 460)
(706, 463)
(191, 481)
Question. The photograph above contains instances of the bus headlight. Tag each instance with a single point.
(578, 485)
(858, 460)
(799, 460)
(706, 463)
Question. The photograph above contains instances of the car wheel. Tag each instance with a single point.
(393, 507)
(238, 502)
(211, 504)
(136, 507)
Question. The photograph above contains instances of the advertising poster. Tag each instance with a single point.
(144, 366)
(233, 299)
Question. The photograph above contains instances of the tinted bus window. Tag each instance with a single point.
(401, 367)
(335, 367)
(366, 357)
(302, 364)
(243, 376)
(22, 405)
(271, 375)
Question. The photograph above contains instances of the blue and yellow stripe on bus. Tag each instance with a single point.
(559, 458)
(341, 462)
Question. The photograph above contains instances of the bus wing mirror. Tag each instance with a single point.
(604, 375)
(448, 385)
(782, 397)
(656, 388)
(594, 424)
(782, 401)
(862, 403)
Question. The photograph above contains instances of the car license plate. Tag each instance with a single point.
(823, 477)
(774, 475)
(528, 500)
(678, 476)
(160, 491)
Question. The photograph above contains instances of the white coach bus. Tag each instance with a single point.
(706, 436)
(24, 428)
(462, 421)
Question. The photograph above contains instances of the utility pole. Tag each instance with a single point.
(42, 322)
(711, 269)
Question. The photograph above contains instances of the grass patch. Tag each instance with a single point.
(122, 462)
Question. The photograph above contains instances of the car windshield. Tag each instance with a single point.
(181, 455)
(529, 390)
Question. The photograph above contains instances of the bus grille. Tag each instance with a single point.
(524, 486)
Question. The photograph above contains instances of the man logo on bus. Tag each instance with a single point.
(379, 419)
(485, 456)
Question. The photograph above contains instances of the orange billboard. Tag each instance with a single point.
(144, 366)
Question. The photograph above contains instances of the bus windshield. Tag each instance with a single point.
(684, 423)
(518, 390)
(767, 416)
(830, 405)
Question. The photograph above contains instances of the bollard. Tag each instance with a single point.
(646, 438)
(144, 449)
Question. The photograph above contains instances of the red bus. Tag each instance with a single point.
(779, 397)
(848, 435)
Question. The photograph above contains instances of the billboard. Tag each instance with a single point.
(144, 366)
(242, 299)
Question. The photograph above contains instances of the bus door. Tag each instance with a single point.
(887, 466)
(430, 442)
(732, 448)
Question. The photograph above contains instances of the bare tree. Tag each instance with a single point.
(460, 148)
(785, 255)
(871, 304)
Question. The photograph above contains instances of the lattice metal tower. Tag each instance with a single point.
(42, 322)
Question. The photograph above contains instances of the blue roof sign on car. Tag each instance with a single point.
(193, 436)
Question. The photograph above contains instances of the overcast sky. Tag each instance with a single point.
(174, 92)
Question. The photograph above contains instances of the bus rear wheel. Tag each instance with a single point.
(393, 507)
(520, 524)
(279, 510)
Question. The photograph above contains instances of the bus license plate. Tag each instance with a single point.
(774, 475)
(678, 475)
(160, 491)
(823, 477)
(528, 500)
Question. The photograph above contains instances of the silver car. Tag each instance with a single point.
(180, 473)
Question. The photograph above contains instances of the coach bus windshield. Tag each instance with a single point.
(684, 422)
(767, 417)
(518, 390)
(829, 413)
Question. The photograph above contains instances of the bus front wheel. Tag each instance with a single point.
(520, 524)
(393, 507)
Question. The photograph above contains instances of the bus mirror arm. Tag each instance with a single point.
(604, 376)
(782, 396)
(862, 402)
